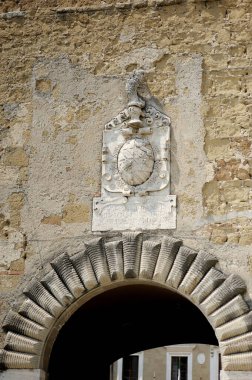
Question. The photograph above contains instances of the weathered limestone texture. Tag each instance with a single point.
(62, 78)
(65, 140)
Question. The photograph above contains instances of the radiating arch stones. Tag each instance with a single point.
(163, 260)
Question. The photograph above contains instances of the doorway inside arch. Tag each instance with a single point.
(122, 321)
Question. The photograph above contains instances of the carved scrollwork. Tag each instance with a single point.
(136, 165)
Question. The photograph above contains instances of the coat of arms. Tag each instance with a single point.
(136, 167)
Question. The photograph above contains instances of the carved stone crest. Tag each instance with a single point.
(135, 161)
(136, 167)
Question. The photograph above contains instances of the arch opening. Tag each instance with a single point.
(121, 321)
(134, 258)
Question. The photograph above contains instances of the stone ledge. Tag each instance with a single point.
(25, 374)
(235, 375)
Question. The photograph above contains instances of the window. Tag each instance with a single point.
(179, 366)
(220, 365)
(130, 367)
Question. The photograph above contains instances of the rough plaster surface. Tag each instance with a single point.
(63, 176)
(65, 148)
(187, 143)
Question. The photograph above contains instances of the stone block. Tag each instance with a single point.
(236, 375)
(16, 157)
(23, 374)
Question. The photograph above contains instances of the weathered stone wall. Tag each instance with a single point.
(63, 70)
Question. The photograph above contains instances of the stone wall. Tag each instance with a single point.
(63, 71)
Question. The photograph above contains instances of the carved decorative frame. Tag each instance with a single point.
(135, 183)
(133, 257)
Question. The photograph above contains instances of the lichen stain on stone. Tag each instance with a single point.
(16, 202)
(15, 157)
(83, 113)
(52, 219)
(76, 213)
(17, 265)
(43, 86)
(72, 140)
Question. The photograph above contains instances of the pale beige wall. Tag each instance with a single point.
(155, 364)
(62, 78)
(201, 371)
(155, 361)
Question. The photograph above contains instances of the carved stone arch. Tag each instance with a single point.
(135, 256)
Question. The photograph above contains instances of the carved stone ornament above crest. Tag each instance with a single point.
(135, 189)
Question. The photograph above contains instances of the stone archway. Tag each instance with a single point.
(165, 261)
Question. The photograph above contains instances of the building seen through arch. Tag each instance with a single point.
(175, 362)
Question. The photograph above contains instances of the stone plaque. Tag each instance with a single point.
(135, 191)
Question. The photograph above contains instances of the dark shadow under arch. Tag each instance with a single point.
(121, 321)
